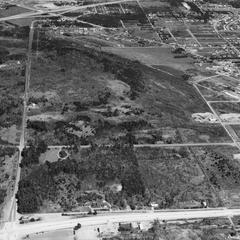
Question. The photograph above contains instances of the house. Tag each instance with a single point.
(154, 205)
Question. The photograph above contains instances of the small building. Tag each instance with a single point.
(190, 204)
(125, 227)
(154, 205)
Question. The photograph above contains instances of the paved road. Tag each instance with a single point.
(22, 230)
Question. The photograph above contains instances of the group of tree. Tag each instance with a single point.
(106, 163)
(18, 32)
(126, 70)
(3, 54)
(3, 193)
(31, 153)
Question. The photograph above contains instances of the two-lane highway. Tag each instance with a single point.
(30, 228)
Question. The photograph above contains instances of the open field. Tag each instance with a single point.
(154, 56)
(213, 95)
(236, 129)
(219, 87)
(229, 112)
(12, 10)
(174, 179)
(66, 234)
(13, 41)
(198, 133)
(221, 165)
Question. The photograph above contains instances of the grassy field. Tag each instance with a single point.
(12, 10)
(236, 129)
(212, 95)
(226, 108)
(154, 56)
(174, 179)
(13, 43)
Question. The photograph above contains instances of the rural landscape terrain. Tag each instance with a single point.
(120, 119)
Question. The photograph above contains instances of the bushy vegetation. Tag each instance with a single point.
(169, 175)
(31, 153)
(3, 194)
(125, 70)
(11, 76)
(223, 172)
(17, 32)
(103, 163)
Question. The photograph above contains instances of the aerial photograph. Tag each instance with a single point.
(119, 119)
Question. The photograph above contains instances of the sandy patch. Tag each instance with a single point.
(46, 117)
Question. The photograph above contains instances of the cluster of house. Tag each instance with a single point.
(11, 65)
(227, 68)
(68, 3)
